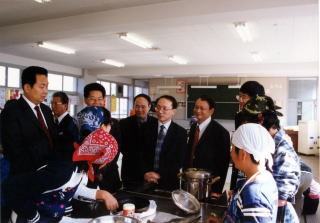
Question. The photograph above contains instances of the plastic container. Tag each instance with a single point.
(128, 209)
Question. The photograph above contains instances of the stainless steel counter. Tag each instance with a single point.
(167, 211)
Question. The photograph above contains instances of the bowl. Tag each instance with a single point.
(114, 219)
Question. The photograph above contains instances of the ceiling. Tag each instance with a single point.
(285, 33)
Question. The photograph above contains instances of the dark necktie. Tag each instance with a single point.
(194, 145)
(160, 140)
(43, 125)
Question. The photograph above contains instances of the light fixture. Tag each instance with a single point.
(135, 40)
(56, 47)
(256, 56)
(169, 87)
(177, 60)
(203, 86)
(42, 1)
(243, 31)
(113, 63)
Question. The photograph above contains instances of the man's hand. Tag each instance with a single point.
(151, 177)
(110, 202)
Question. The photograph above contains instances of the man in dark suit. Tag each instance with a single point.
(164, 146)
(209, 143)
(68, 132)
(131, 134)
(28, 130)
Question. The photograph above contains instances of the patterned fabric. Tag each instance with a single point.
(90, 119)
(97, 148)
(286, 172)
(160, 140)
(256, 202)
(261, 104)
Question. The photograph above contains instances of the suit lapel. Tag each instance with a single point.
(167, 139)
(29, 112)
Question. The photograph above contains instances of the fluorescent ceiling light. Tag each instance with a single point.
(234, 86)
(113, 63)
(177, 60)
(256, 56)
(205, 86)
(42, 1)
(243, 31)
(135, 40)
(170, 87)
(56, 47)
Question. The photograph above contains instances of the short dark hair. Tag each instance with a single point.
(147, 97)
(170, 98)
(209, 100)
(270, 120)
(29, 75)
(93, 87)
(63, 97)
(252, 88)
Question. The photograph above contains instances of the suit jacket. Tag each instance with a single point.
(26, 145)
(172, 153)
(132, 134)
(68, 133)
(212, 152)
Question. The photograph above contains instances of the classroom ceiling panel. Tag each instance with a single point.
(284, 33)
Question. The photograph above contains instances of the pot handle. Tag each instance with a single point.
(215, 179)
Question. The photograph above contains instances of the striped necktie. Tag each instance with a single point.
(160, 140)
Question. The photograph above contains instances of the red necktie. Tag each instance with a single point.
(194, 145)
(43, 125)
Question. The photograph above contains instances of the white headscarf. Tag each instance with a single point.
(256, 140)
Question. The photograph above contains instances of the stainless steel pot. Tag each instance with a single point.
(197, 182)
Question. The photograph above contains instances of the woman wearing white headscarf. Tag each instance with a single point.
(256, 197)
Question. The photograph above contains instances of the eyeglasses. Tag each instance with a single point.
(165, 109)
(95, 99)
(56, 103)
(241, 97)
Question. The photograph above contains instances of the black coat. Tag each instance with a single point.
(132, 135)
(25, 144)
(68, 133)
(171, 156)
(212, 152)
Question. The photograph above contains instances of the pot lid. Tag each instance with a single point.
(185, 201)
(197, 173)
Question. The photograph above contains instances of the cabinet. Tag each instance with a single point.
(308, 137)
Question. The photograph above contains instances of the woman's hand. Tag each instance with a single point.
(110, 202)
(151, 177)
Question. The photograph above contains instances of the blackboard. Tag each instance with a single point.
(225, 97)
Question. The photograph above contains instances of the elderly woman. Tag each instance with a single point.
(45, 195)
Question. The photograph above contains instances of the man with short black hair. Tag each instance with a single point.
(132, 135)
(209, 143)
(68, 132)
(28, 130)
(164, 146)
(94, 95)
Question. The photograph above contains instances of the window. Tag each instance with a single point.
(69, 83)
(55, 82)
(13, 77)
(123, 108)
(2, 76)
(137, 90)
(106, 86)
(125, 91)
(114, 89)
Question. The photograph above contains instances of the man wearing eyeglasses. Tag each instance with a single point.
(209, 143)
(68, 132)
(164, 146)
(131, 134)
